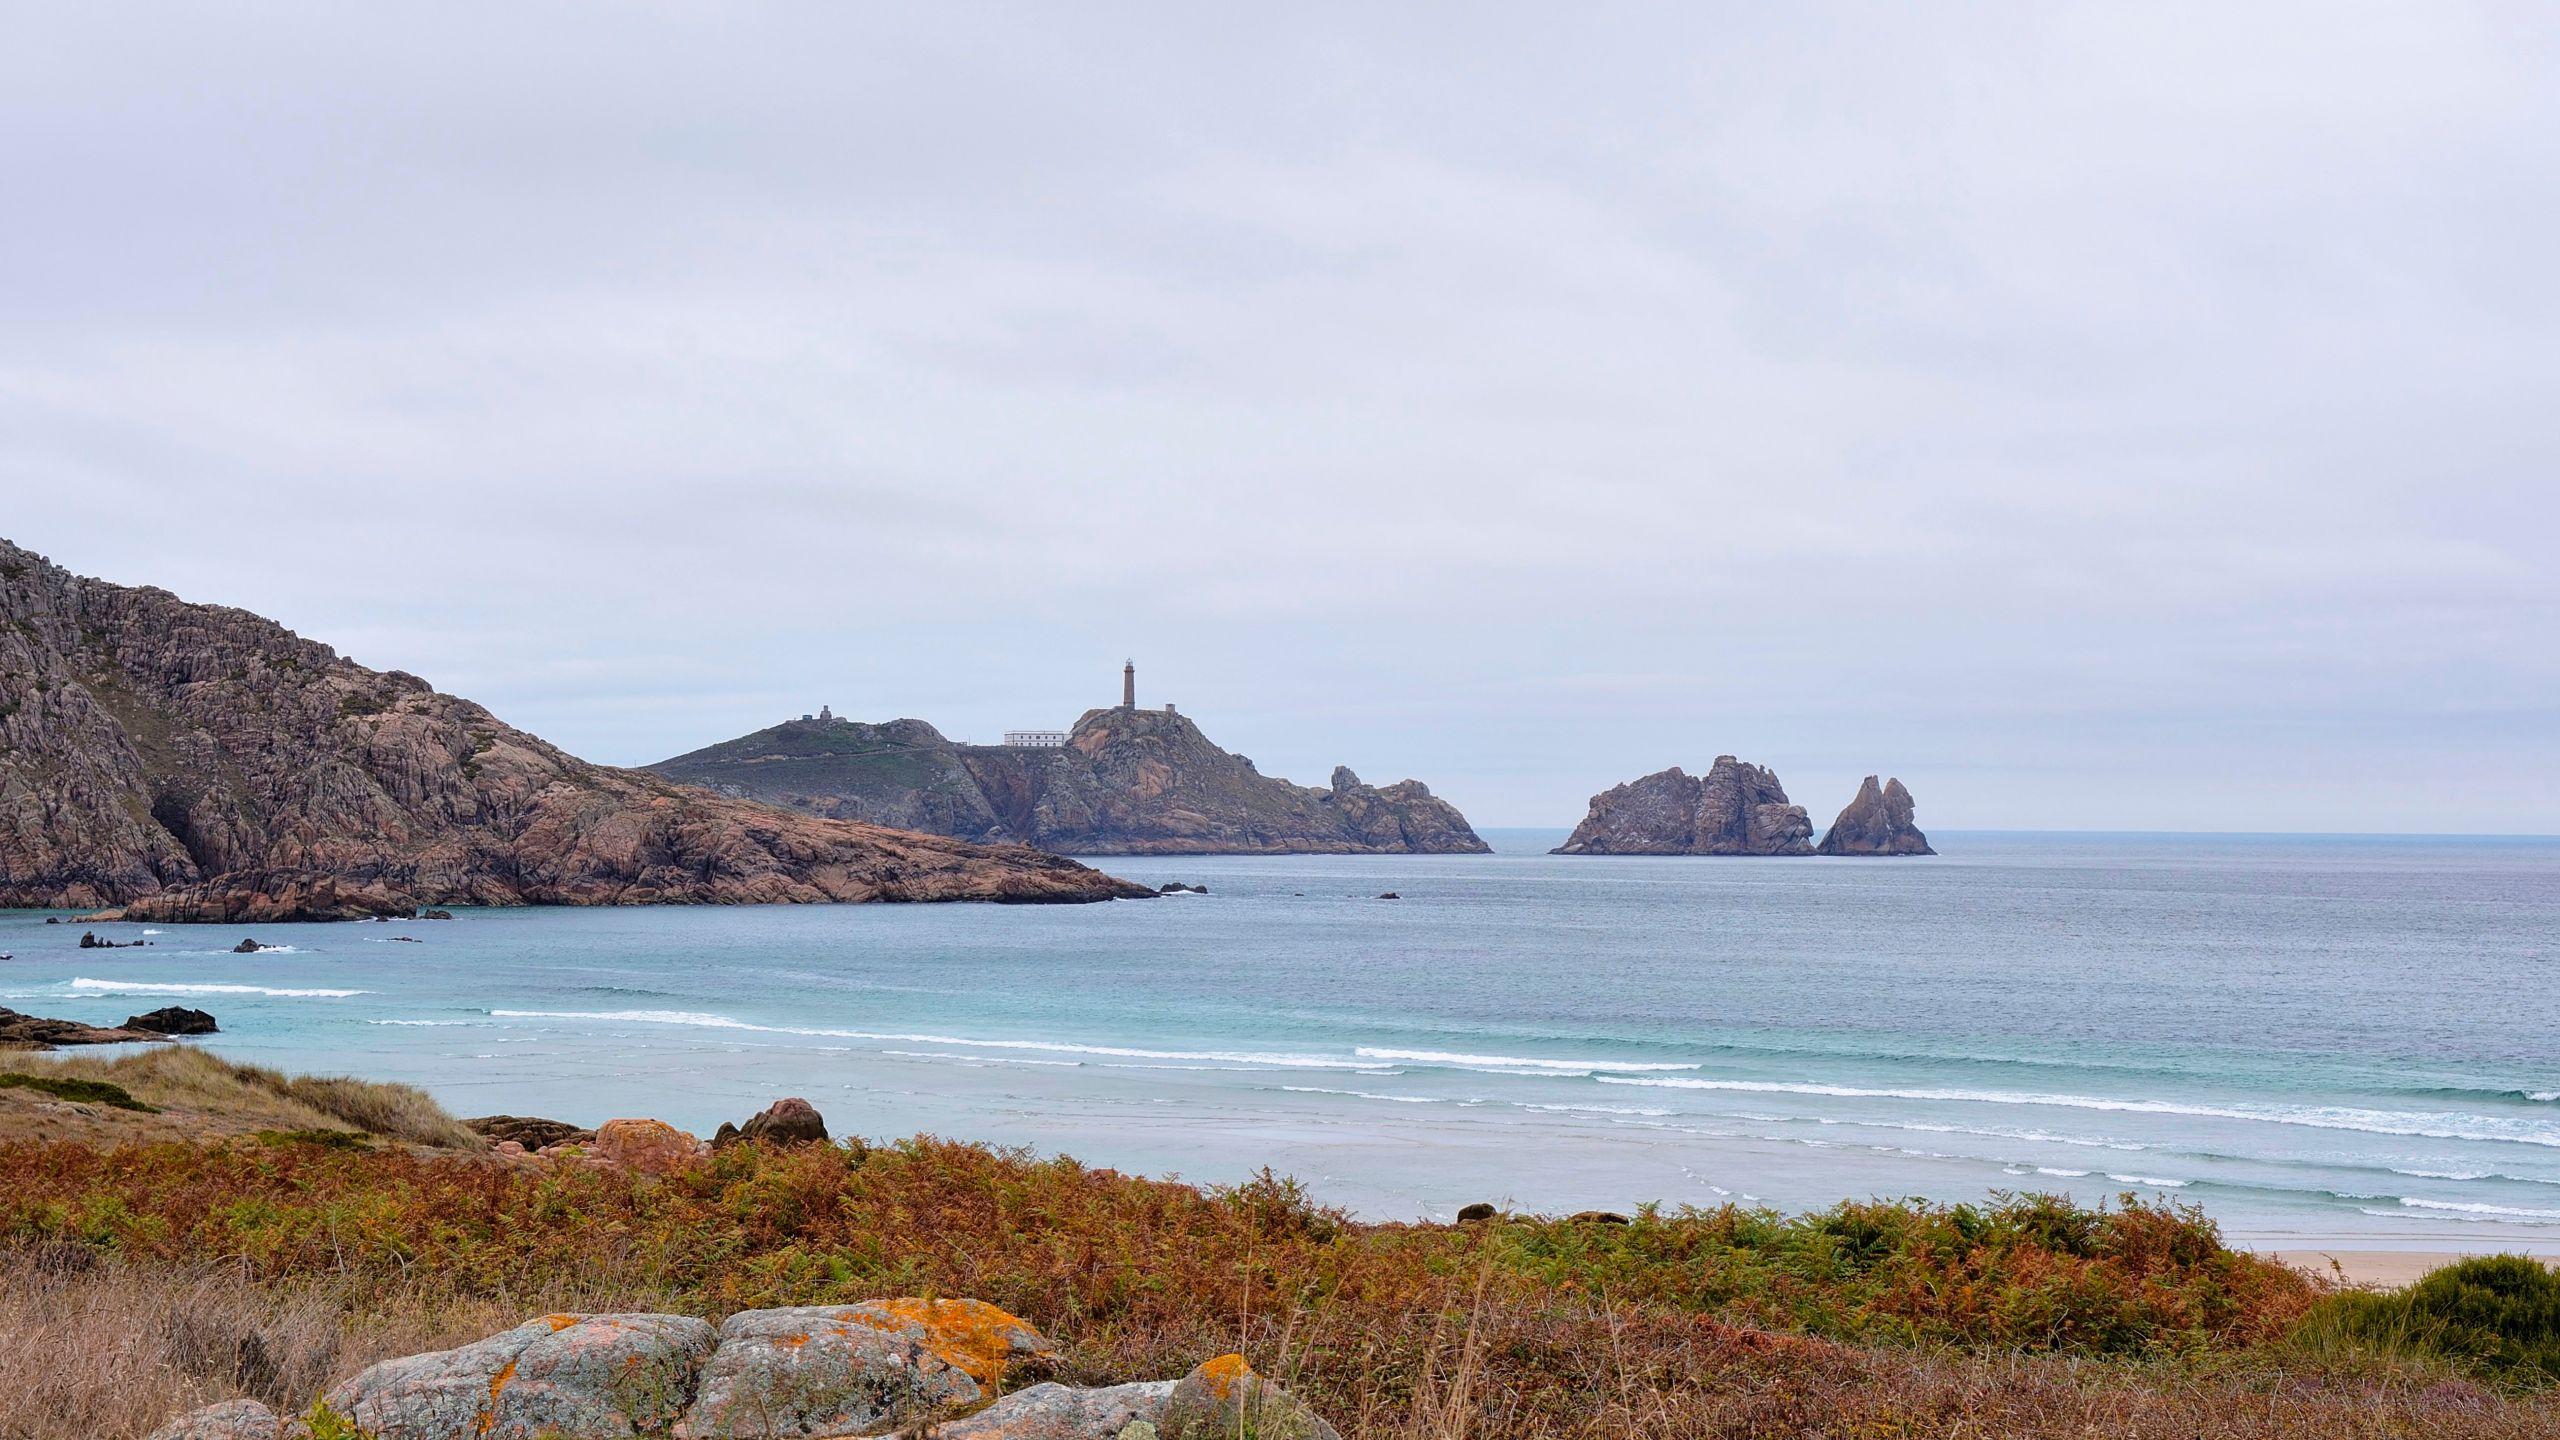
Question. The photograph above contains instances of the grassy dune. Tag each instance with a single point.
(194, 1093)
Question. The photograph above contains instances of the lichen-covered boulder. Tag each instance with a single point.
(594, 1377)
(230, 1420)
(1226, 1400)
(1058, 1412)
(651, 1147)
(820, 1370)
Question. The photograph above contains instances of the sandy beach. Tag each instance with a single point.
(2387, 1269)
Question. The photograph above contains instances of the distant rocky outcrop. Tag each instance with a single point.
(530, 1132)
(173, 1020)
(1127, 782)
(1878, 822)
(906, 1368)
(35, 1032)
(1736, 809)
(191, 762)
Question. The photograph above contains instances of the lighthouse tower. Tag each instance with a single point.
(1129, 685)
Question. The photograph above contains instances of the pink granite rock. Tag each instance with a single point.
(652, 1147)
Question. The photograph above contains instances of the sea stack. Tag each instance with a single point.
(1737, 809)
(1878, 822)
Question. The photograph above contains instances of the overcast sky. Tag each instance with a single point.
(2100, 416)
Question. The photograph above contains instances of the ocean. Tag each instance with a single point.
(2317, 1040)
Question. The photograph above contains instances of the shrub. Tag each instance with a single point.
(2498, 1315)
(86, 1092)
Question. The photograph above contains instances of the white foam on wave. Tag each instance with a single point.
(2061, 1173)
(88, 986)
(2163, 1183)
(2432, 1125)
(707, 1021)
(1362, 1095)
(2501, 1212)
(1595, 1109)
(1517, 1064)
(981, 1059)
(436, 1023)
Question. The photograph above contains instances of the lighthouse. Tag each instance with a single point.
(1129, 685)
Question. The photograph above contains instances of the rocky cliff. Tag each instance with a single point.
(1737, 809)
(191, 762)
(1878, 822)
(1128, 782)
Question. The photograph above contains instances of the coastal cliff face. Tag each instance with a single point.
(1127, 782)
(1736, 809)
(1877, 822)
(192, 762)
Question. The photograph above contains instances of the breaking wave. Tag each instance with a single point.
(88, 986)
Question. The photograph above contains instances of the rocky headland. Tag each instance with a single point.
(1877, 822)
(185, 762)
(1738, 809)
(1128, 781)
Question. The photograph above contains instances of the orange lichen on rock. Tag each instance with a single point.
(1225, 1375)
(559, 1322)
(976, 1338)
(497, 1387)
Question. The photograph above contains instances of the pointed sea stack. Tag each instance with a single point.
(1878, 822)
(1737, 809)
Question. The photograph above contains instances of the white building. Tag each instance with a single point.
(1036, 739)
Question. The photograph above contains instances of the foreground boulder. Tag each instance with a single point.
(1049, 1411)
(595, 1377)
(784, 1125)
(1737, 809)
(1225, 1398)
(886, 1367)
(852, 1369)
(173, 1020)
(230, 1420)
(1877, 822)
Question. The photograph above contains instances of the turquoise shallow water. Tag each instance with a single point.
(2341, 1040)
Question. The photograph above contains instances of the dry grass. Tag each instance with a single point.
(2030, 1319)
(96, 1347)
(106, 1349)
(206, 1094)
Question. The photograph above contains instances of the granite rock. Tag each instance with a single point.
(230, 1420)
(1127, 782)
(1877, 822)
(191, 762)
(595, 1377)
(1224, 1399)
(1736, 809)
(844, 1370)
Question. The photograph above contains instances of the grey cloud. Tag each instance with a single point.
(2099, 415)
